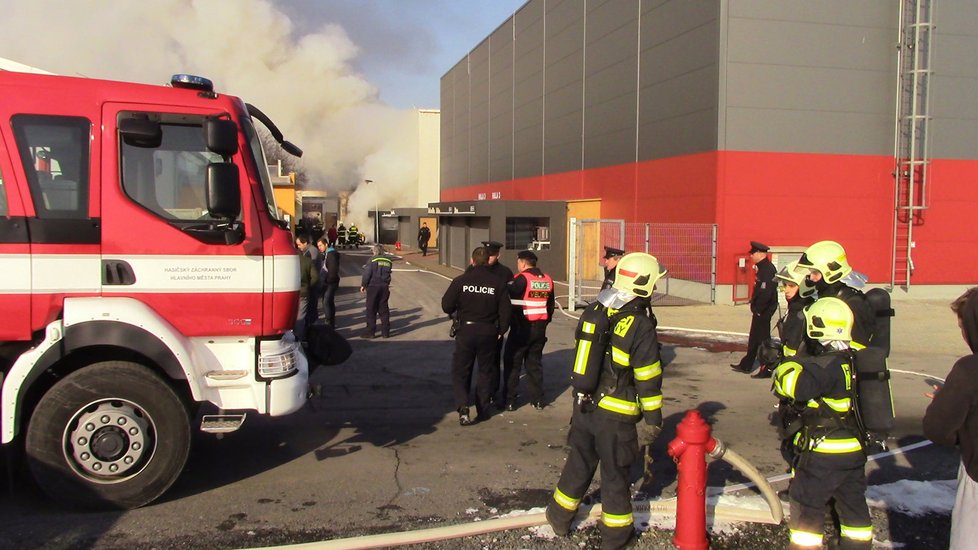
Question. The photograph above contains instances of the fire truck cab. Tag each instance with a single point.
(144, 270)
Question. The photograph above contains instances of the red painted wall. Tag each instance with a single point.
(781, 199)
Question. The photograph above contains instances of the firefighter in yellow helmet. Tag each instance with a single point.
(827, 268)
(829, 457)
(619, 408)
(798, 293)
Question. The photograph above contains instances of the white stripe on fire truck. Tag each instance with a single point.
(59, 273)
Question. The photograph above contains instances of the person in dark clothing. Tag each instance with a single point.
(308, 279)
(329, 278)
(331, 235)
(479, 300)
(826, 266)
(424, 235)
(532, 294)
(791, 326)
(611, 257)
(376, 283)
(505, 275)
(952, 420)
(829, 458)
(763, 304)
(621, 414)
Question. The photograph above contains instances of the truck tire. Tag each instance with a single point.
(110, 435)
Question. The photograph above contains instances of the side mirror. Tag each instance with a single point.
(223, 190)
(221, 136)
(140, 132)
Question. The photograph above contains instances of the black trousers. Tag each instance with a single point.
(377, 303)
(423, 245)
(329, 302)
(495, 376)
(760, 330)
(524, 347)
(474, 342)
(817, 480)
(595, 439)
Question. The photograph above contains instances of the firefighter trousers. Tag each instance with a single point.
(595, 439)
(818, 479)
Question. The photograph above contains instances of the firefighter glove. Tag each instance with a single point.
(647, 434)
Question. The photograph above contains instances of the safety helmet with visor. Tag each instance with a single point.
(826, 257)
(829, 319)
(790, 274)
(635, 277)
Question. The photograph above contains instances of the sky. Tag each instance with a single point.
(405, 45)
(340, 78)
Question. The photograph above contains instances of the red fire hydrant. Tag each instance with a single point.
(397, 245)
(693, 441)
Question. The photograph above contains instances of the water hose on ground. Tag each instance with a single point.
(663, 508)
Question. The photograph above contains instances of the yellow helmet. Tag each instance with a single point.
(637, 274)
(791, 274)
(829, 319)
(827, 257)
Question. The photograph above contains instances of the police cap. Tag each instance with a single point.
(527, 255)
(492, 247)
(610, 252)
(758, 247)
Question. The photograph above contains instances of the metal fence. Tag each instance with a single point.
(688, 251)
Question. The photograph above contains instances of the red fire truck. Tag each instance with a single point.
(145, 270)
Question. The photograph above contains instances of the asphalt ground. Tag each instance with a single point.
(380, 450)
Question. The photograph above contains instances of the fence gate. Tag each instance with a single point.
(688, 251)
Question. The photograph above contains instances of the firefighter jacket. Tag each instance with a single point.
(377, 272)
(630, 384)
(791, 327)
(532, 292)
(478, 297)
(864, 318)
(822, 387)
(764, 300)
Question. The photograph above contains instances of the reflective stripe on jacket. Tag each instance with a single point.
(535, 296)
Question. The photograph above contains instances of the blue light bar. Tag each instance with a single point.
(192, 82)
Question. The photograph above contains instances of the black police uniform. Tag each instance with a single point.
(609, 274)
(480, 302)
(603, 427)
(829, 457)
(763, 304)
(505, 275)
(524, 345)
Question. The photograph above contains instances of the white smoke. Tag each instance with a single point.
(249, 48)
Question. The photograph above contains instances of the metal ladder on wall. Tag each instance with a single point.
(912, 165)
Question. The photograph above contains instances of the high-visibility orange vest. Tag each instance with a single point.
(534, 301)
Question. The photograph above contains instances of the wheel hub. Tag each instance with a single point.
(109, 440)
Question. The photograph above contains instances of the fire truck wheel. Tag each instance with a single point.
(110, 435)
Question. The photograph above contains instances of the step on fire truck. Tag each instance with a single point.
(145, 270)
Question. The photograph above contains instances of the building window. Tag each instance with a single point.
(528, 233)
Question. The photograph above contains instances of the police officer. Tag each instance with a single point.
(763, 304)
(505, 274)
(480, 302)
(611, 257)
(628, 396)
(826, 266)
(532, 294)
(829, 458)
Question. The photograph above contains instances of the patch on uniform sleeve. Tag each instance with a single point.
(623, 325)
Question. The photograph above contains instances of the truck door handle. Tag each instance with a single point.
(117, 272)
